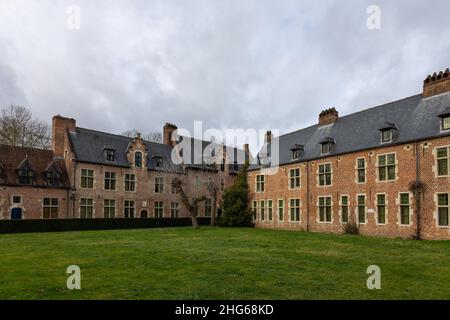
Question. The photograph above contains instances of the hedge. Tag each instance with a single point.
(60, 225)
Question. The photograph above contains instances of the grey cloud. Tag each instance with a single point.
(248, 64)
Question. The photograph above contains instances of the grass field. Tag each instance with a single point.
(215, 263)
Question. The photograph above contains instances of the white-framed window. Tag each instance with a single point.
(325, 174)
(405, 208)
(50, 208)
(386, 167)
(260, 183)
(174, 209)
(254, 209)
(361, 170)
(295, 154)
(381, 208)
(386, 136)
(443, 161)
(159, 209)
(159, 185)
(270, 210)
(445, 123)
(294, 178)
(361, 208)
(325, 209)
(344, 208)
(130, 182)
(87, 179)
(262, 210)
(128, 209)
(86, 208)
(294, 208)
(109, 209)
(325, 148)
(110, 181)
(17, 199)
(443, 209)
(280, 209)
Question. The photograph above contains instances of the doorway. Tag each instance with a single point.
(16, 214)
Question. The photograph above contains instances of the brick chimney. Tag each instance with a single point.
(436, 84)
(60, 126)
(168, 130)
(328, 116)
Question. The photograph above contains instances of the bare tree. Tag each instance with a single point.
(213, 190)
(18, 128)
(153, 136)
(192, 206)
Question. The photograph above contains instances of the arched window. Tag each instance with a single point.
(138, 159)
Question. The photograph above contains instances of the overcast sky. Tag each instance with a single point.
(230, 63)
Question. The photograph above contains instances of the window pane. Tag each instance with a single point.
(442, 152)
(443, 199)
(382, 160)
(443, 216)
(404, 198)
(443, 167)
(344, 200)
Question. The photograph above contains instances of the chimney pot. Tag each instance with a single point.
(168, 130)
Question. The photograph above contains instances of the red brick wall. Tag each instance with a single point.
(344, 183)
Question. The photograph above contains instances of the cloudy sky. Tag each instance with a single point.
(230, 63)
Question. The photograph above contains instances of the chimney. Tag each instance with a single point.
(60, 126)
(268, 137)
(328, 116)
(168, 130)
(436, 84)
(247, 152)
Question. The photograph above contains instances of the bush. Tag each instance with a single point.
(351, 228)
(236, 211)
(58, 225)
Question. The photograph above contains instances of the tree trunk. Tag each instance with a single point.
(194, 221)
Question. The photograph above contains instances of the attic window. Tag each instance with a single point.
(158, 162)
(26, 175)
(326, 145)
(53, 178)
(110, 155)
(326, 148)
(446, 123)
(386, 135)
(388, 132)
(296, 152)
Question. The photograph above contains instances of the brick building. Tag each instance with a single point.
(384, 169)
(91, 174)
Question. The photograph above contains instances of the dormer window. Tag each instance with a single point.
(110, 155)
(158, 162)
(386, 136)
(446, 123)
(388, 132)
(445, 119)
(326, 145)
(138, 159)
(53, 178)
(296, 152)
(26, 175)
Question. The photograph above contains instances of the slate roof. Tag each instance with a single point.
(88, 146)
(40, 160)
(416, 118)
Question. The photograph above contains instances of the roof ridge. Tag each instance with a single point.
(354, 113)
(25, 148)
(118, 135)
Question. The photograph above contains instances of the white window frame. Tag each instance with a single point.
(436, 215)
(325, 197)
(299, 210)
(282, 208)
(299, 177)
(357, 209)
(325, 173)
(378, 166)
(400, 205)
(386, 209)
(437, 161)
(341, 206)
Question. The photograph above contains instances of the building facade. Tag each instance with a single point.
(385, 170)
(101, 175)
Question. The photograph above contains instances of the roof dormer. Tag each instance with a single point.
(327, 145)
(26, 173)
(445, 119)
(388, 132)
(109, 153)
(296, 151)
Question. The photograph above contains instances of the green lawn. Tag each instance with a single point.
(216, 263)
